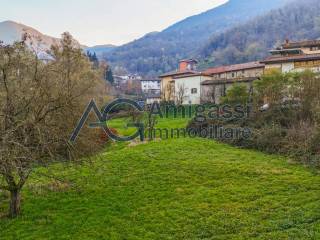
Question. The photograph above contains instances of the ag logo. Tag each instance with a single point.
(103, 118)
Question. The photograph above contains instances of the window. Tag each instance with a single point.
(233, 75)
(194, 91)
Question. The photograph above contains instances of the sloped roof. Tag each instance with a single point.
(244, 66)
(191, 75)
(215, 70)
(235, 67)
(177, 73)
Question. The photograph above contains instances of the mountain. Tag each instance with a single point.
(159, 52)
(99, 50)
(252, 41)
(11, 32)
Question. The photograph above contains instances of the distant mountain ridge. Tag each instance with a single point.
(252, 41)
(11, 32)
(156, 53)
(101, 49)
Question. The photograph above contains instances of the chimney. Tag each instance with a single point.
(188, 64)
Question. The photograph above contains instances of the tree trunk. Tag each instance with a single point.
(15, 198)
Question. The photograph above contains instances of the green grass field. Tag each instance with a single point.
(120, 124)
(171, 189)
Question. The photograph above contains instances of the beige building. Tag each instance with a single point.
(294, 57)
(224, 77)
(187, 85)
(187, 66)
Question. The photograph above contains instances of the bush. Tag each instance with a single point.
(238, 94)
(290, 125)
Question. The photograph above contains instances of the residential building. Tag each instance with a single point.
(120, 81)
(187, 66)
(224, 77)
(151, 89)
(294, 57)
(188, 87)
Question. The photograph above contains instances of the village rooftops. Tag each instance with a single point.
(234, 68)
(297, 58)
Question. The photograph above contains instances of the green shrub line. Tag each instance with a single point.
(284, 116)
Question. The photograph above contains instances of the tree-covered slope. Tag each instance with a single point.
(298, 20)
(157, 52)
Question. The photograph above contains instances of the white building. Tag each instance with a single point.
(150, 84)
(122, 79)
(188, 88)
(151, 89)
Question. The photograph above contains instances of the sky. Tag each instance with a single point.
(94, 22)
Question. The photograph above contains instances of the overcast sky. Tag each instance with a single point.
(95, 22)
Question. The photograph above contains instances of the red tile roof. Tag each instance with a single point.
(215, 70)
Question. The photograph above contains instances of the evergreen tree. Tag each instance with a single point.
(109, 75)
(94, 59)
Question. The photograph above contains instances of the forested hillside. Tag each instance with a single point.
(251, 41)
(157, 52)
(99, 50)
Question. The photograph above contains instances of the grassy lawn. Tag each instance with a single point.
(120, 124)
(173, 189)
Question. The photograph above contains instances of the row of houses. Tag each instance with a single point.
(186, 85)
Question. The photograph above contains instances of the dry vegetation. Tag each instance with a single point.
(40, 103)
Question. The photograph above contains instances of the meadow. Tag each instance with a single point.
(170, 189)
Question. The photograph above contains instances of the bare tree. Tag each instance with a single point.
(150, 123)
(40, 103)
(210, 95)
(168, 92)
(181, 94)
